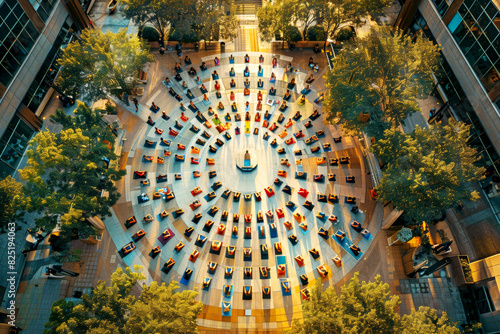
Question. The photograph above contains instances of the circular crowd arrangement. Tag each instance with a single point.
(242, 191)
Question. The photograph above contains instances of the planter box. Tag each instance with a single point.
(298, 45)
(187, 46)
(461, 272)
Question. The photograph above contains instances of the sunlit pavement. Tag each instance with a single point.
(257, 315)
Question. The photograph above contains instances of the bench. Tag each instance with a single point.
(142, 77)
(286, 58)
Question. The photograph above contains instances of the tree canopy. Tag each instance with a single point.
(331, 15)
(334, 14)
(426, 320)
(375, 83)
(427, 171)
(13, 200)
(113, 309)
(268, 21)
(365, 307)
(182, 20)
(100, 63)
(67, 173)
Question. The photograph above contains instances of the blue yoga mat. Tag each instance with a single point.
(345, 244)
(283, 289)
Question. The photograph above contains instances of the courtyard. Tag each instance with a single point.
(283, 212)
(242, 185)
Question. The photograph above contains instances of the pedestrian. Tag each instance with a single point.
(136, 102)
(125, 98)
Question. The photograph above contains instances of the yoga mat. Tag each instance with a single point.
(164, 241)
(345, 244)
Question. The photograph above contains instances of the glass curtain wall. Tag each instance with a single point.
(476, 28)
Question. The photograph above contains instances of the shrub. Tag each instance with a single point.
(405, 234)
(188, 37)
(150, 34)
(316, 33)
(344, 34)
(111, 110)
(292, 34)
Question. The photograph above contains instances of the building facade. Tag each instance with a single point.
(468, 32)
(32, 35)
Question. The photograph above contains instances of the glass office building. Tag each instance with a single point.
(468, 32)
(32, 33)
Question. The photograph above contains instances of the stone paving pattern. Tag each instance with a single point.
(379, 259)
(277, 312)
(36, 293)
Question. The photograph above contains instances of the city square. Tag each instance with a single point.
(276, 173)
(269, 217)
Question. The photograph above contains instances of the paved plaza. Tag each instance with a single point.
(271, 297)
(260, 314)
(237, 187)
(275, 311)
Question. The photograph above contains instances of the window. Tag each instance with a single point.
(43, 8)
(491, 10)
(38, 89)
(474, 54)
(476, 28)
(17, 36)
(13, 145)
(483, 300)
(491, 32)
(452, 88)
(455, 22)
(490, 79)
(441, 6)
(476, 10)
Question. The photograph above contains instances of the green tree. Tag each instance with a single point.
(304, 13)
(113, 309)
(99, 64)
(316, 33)
(334, 14)
(184, 19)
(13, 201)
(427, 171)
(363, 307)
(267, 16)
(279, 16)
(426, 320)
(330, 14)
(211, 24)
(273, 18)
(140, 13)
(229, 27)
(291, 34)
(160, 309)
(66, 176)
(376, 83)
